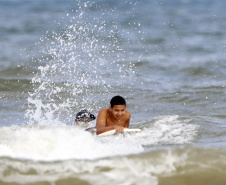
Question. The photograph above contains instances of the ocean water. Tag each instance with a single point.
(167, 58)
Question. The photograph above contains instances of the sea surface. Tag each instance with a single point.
(167, 58)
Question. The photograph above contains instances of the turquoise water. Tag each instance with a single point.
(166, 58)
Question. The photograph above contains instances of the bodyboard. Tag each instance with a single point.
(111, 132)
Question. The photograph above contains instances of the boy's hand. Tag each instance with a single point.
(118, 129)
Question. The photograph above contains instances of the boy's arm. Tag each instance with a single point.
(128, 120)
(127, 124)
(101, 122)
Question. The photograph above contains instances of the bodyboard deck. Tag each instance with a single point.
(111, 132)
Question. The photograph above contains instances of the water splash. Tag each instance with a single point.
(78, 60)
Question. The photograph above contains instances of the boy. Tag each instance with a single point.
(115, 117)
(84, 116)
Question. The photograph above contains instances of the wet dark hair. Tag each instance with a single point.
(81, 116)
(117, 100)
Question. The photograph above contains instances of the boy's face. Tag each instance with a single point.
(118, 111)
(83, 120)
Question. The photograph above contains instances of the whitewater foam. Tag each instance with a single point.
(63, 142)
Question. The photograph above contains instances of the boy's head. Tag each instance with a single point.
(118, 107)
(84, 116)
(117, 100)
